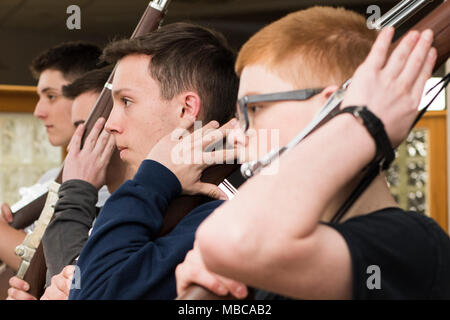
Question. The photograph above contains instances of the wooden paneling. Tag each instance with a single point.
(435, 123)
(17, 98)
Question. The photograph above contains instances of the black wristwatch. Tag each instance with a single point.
(385, 152)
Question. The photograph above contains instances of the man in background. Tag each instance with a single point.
(53, 69)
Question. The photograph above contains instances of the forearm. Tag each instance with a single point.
(11, 238)
(125, 230)
(67, 233)
(271, 211)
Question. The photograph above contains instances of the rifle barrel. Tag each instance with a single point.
(400, 13)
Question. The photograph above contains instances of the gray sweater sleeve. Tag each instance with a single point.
(68, 231)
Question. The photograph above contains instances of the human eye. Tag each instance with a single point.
(51, 97)
(253, 108)
(126, 102)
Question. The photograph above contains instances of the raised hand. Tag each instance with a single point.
(391, 87)
(184, 154)
(90, 163)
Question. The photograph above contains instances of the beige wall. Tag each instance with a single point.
(25, 154)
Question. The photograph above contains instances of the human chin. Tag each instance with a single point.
(248, 151)
(56, 139)
(131, 158)
(53, 139)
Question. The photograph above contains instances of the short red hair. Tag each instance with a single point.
(316, 47)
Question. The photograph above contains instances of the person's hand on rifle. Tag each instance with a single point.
(193, 271)
(90, 163)
(58, 290)
(7, 216)
(18, 290)
(60, 285)
(399, 80)
(184, 154)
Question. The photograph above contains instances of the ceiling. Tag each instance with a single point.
(113, 15)
(30, 26)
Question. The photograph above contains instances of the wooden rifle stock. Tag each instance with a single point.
(27, 215)
(438, 20)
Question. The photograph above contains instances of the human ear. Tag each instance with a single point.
(328, 91)
(191, 105)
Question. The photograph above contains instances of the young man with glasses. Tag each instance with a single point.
(276, 233)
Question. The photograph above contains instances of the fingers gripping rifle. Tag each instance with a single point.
(439, 21)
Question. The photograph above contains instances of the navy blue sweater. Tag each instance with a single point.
(124, 258)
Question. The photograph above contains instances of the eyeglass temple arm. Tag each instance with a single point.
(289, 95)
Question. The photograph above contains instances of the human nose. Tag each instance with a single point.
(237, 137)
(113, 124)
(41, 110)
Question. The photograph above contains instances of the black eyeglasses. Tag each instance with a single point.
(296, 95)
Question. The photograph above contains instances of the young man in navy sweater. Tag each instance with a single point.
(163, 81)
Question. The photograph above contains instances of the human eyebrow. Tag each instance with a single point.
(47, 90)
(118, 92)
(248, 94)
(78, 122)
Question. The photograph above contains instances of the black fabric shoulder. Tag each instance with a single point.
(410, 252)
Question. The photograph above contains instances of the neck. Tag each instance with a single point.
(377, 196)
(117, 172)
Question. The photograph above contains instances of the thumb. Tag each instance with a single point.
(6, 212)
(68, 272)
(186, 122)
(212, 191)
(183, 128)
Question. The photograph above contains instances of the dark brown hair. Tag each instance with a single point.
(93, 80)
(187, 57)
(71, 58)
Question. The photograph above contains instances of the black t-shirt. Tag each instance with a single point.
(407, 251)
